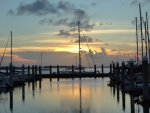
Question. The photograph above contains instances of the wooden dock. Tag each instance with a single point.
(38, 71)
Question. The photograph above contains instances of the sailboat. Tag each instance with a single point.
(5, 80)
(79, 67)
(16, 78)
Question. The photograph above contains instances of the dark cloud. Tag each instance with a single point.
(85, 25)
(85, 39)
(80, 14)
(11, 12)
(93, 4)
(65, 6)
(96, 54)
(66, 34)
(52, 22)
(135, 2)
(45, 7)
(38, 7)
(46, 21)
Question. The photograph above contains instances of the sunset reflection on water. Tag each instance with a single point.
(85, 95)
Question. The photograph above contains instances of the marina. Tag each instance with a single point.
(84, 67)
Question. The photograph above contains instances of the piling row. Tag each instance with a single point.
(36, 71)
(132, 78)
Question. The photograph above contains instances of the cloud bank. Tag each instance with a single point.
(57, 10)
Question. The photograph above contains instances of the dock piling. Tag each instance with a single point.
(145, 78)
(6, 70)
(36, 70)
(113, 69)
(131, 74)
(117, 66)
(28, 70)
(40, 72)
(110, 69)
(123, 73)
(95, 69)
(102, 69)
(33, 71)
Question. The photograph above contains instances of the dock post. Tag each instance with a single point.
(114, 78)
(11, 71)
(145, 79)
(33, 72)
(36, 70)
(110, 69)
(102, 69)
(123, 73)
(57, 72)
(131, 74)
(7, 70)
(50, 72)
(28, 70)
(50, 69)
(113, 69)
(40, 72)
(95, 69)
(72, 69)
(117, 66)
(80, 69)
(23, 71)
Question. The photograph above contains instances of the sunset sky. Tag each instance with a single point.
(50, 27)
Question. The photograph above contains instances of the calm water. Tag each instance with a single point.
(88, 95)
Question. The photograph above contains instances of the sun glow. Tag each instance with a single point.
(74, 50)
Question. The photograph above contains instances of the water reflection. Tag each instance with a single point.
(40, 84)
(123, 101)
(23, 93)
(70, 96)
(33, 89)
(132, 104)
(11, 100)
(114, 90)
(80, 96)
(118, 96)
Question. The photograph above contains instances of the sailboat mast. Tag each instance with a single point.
(145, 37)
(148, 36)
(79, 43)
(137, 41)
(11, 48)
(11, 71)
(141, 30)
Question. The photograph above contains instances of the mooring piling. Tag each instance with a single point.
(123, 73)
(131, 74)
(110, 69)
(35, 70)
(102, 69)
(145, 78)
(28, 70)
